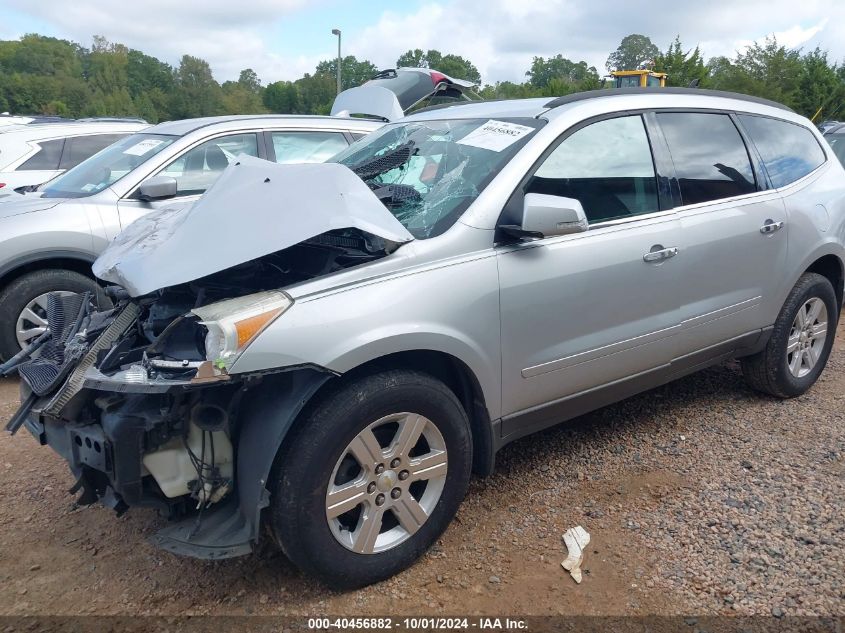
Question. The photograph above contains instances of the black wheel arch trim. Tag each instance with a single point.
(46, 255)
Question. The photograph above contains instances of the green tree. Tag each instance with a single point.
(196, 93)
(39, 55)
(570, 75)
(633, 52)
(766, 70)
(510, 90)
(316, 93)
(282, 97)
(248, 80)
(244, 95)
(449, 64)
(107, 66)
(145, 73)
(821, 89)
(352, 72)
(683, 68)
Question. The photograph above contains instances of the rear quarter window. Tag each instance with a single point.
(789, 151)
(78, 148)
(46, 158)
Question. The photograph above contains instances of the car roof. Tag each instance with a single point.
(839, 128)
(609, 100)
(36, 131)
(186, 126)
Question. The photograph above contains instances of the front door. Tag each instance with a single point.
(586, 310)
(195, 170)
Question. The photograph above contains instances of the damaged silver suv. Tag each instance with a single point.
(329, 350)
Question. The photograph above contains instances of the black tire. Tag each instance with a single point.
(768, 370)
(15, 297)
(300, 478)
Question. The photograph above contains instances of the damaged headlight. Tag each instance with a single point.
(234, 323)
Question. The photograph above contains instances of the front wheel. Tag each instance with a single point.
(800, 343)
(371, 477)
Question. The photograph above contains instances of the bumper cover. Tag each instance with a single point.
(105, 457)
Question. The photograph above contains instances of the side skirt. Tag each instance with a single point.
(522, 423)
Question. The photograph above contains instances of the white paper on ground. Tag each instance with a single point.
(576, 540)
(495, 135)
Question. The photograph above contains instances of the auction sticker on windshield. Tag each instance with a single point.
(495, 135)
(142, 147)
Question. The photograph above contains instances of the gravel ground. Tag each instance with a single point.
(701, 497)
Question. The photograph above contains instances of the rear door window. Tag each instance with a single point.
(46, 158)
(307, 147)
(607, 166)
(78, 148)
(789, 151)
(710, 157)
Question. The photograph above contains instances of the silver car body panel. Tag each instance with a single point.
(286, 204)
(533, 335)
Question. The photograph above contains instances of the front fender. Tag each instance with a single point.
(452, 309)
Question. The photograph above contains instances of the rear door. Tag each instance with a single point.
(734, 234)
(586, 310)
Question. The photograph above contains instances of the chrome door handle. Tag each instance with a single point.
(771, 226)
(656, 256)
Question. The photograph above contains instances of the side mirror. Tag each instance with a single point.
(157, 188)
(545, 216)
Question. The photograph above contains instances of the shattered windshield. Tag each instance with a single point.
(428, 172)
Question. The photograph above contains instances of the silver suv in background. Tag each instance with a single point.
(35, 153)
(50, 237)
(331, 349)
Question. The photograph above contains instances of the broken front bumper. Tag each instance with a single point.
(105, 454)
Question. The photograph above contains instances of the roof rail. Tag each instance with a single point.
(621, 92)
(112, 119)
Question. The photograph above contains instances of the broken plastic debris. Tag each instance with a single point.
(575, 539)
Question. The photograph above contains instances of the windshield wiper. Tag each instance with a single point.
(372, 167)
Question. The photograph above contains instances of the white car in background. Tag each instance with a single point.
(33, 153)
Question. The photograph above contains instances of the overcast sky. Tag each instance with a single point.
(282, 39)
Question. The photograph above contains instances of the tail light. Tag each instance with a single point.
(2, 184)
(437, 77)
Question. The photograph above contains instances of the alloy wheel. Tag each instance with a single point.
(807, 337)
(386, 483)
(32, 321)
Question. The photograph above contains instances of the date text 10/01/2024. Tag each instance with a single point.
(418, 623)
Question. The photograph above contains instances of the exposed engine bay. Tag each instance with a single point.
(149, 346)
(138, 397)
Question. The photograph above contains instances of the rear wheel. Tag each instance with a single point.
(800, 343)
(23, 305)
(371, 478)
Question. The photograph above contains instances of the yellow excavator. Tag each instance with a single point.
(638, 79)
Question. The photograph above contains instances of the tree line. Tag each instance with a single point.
(45, 75)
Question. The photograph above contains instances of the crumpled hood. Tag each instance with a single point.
(255, 208)
(17, 204)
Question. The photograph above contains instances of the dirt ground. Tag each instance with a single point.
(701, 497)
